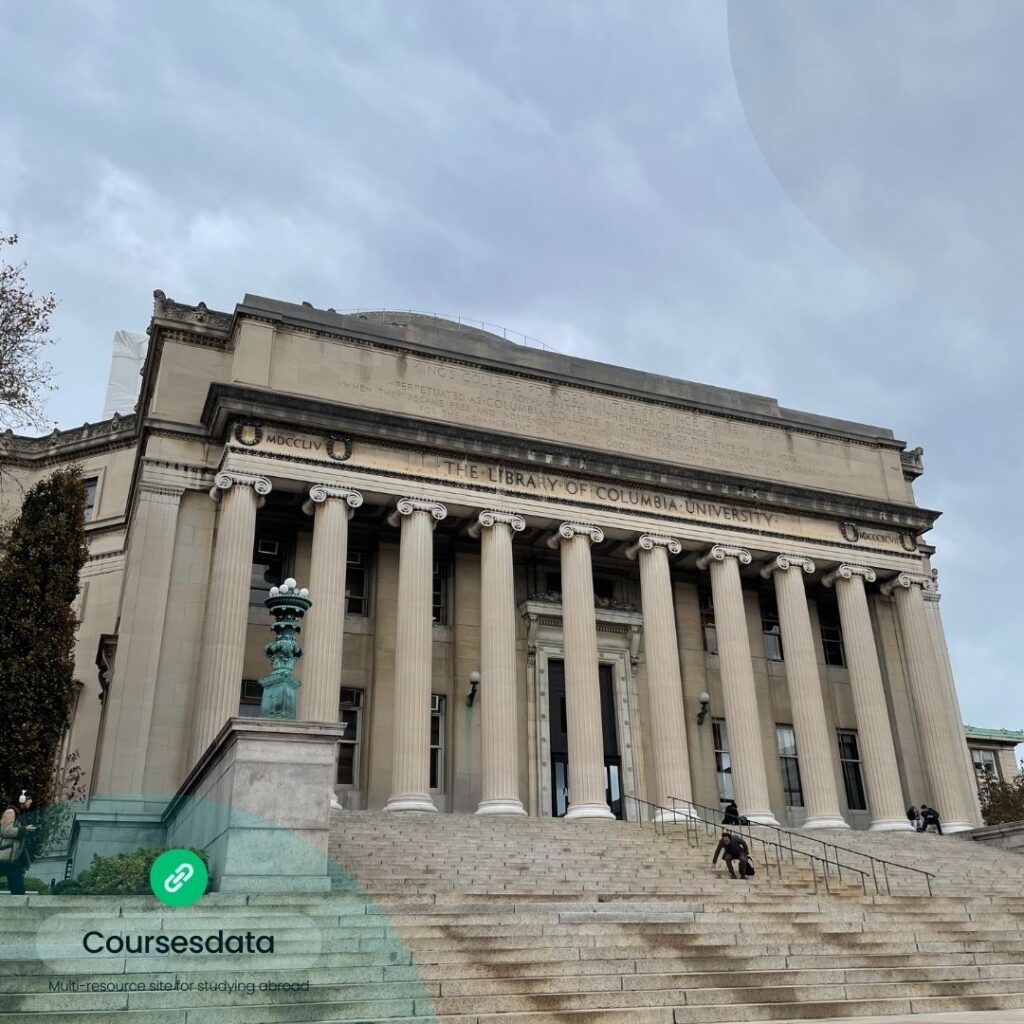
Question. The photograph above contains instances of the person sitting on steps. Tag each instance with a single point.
(929, 816)
(734, 848)
(731, 814)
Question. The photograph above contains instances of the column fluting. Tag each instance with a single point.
(222, 656)
(742, 718)
(410, 762)
(331, 508)
(582, 681)
(931, 608)
(940, 735)
(499, 788)
(666, 710)
(814, 741)
(874, 733)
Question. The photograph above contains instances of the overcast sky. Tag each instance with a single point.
(818, 202)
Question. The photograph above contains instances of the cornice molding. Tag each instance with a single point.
(67, 445)
(228, 402)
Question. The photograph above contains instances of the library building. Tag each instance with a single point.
(541, 585)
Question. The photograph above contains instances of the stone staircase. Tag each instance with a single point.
(463, 920)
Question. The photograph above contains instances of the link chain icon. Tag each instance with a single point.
(178, 878)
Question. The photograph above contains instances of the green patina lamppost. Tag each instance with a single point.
(288, 605)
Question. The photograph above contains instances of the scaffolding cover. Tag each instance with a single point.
(126, 359)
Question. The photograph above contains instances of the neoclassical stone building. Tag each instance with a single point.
(541, 584)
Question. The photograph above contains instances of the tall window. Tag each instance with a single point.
(771, 629)
(849, 760)
(440, 600)
(791, 787)
(436, 741)
(267, 568)
(250, 699)
(707, 620)
(986, 768)
(90, 497)
(350, 711)
(831, 634)
(357, 584)
(723, 761)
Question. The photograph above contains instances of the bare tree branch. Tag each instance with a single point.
(24, 332)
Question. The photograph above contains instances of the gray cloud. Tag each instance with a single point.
(589, 173)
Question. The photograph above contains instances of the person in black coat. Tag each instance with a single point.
(732, 847)
(731, 814)
(930, 816)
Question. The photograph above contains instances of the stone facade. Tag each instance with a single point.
(601, 545)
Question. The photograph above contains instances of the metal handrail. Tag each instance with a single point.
(826, 846)
(688, 820)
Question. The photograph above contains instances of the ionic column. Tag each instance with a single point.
(874, 734)
(941, 736)
(331, 507)
(499, 790)
(222, 655)
(931, 608)
(582, 681)
(741, 714)
(410, 763)
(814, 741)
(664, 678)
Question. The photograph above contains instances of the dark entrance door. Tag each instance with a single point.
(560, 740)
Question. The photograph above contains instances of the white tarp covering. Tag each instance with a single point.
(126, 359)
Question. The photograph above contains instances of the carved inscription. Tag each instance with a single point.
(364, 456)
(607, 493)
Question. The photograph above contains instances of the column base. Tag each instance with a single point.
(588, 811)
(500, 807)
(951, 827)
(891, 825)
(826, 821)
(759, 818)
(684, 813)
(410, 803)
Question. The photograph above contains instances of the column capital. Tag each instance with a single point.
(785, 562)
(906, 580)
(407, 506)
(847, 571)
(224, 481)
(649, 541)
(320, 493)
(567, 531)
(491, 517)
(720, 552)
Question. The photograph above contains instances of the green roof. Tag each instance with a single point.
(994, 734)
